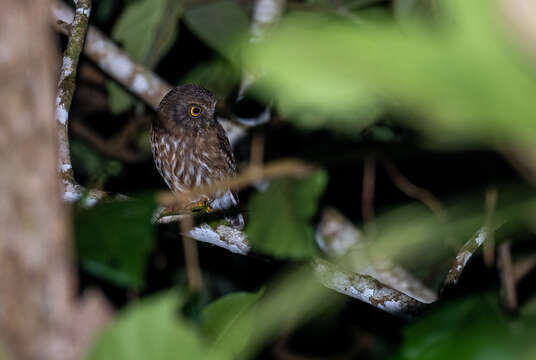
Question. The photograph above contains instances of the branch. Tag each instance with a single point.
(366, 289)
(274, 169)
(507, 276)
(66, 88)
(337, 236)
(414, 191)
(221, 235)
(463, 257)
(116, 147)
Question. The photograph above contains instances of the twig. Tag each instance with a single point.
(367, 195)
(524, 266)
(275, 169)
(414, 191)
(508, 284)
(66, 88)
(488, 250)
(257, 150)
(191, 258)
(463, 257)
(114, 148)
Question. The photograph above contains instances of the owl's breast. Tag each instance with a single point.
(186, 160)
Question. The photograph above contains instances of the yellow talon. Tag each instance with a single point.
(201, 205)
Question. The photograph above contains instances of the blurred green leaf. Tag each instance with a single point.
(93, 165)
(119, 99)
(149, 329)
(471, 328)
(221, 25)
(114, 239)
(218, 76)
(146, 29)
(280, 218)
(463, 76)
(222, 314)
(529, 309)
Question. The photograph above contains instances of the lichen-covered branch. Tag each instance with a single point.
(223, 236)
(367, 289)
(64, 96)
(226, 237)
(337, 236)
(465, 253)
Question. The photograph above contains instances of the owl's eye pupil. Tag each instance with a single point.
(195, 110)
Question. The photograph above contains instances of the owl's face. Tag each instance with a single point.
(187, 106)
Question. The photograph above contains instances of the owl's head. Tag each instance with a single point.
(187, 106)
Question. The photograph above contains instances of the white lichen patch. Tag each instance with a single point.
(66, 68)
(224, 236)
(480, 237)
(116, 64)
(90, 201)
(71, 196)
(85, 11)
(61, 114)
(266, 11)
(65, 167)
(140, 84)
(391, 306)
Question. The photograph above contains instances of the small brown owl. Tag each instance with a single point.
(190, 147)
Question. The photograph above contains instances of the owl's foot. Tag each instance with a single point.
(202, 205)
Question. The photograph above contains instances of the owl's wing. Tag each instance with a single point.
(225, 147)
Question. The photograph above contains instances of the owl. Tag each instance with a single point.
(190, 147)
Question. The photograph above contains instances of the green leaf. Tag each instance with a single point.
(114, 239)
(280, 220)
(221, 315)
(466, 329)
(218, 76)
(149, 329)
(119, 99)
(463, 76)
(147, 29)
(221, 25)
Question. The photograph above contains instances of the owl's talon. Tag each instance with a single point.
(200, 206)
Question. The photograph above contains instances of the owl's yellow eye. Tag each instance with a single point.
(195, 111)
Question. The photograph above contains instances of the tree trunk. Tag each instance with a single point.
(38, 315)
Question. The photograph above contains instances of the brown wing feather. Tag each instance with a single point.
(225, 147)
(228, 153)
